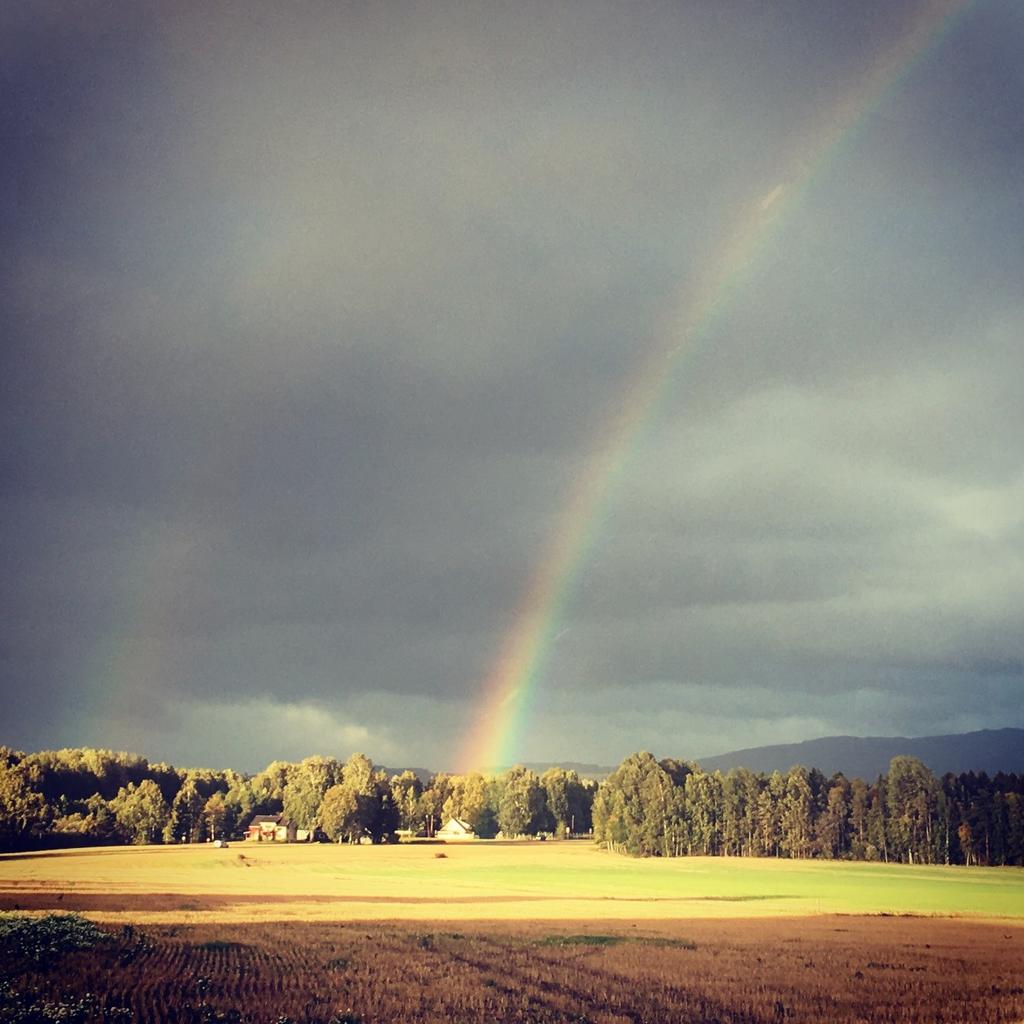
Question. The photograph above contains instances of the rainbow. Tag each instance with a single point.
(506, 692)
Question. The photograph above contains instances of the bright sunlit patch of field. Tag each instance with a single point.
(481, 881)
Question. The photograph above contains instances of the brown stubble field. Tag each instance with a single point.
(827, 968)
(372, 935)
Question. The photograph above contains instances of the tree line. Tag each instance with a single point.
(85, 796)
(672, 808)
(645, 807)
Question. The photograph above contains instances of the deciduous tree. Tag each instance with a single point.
(406, 790)
(141, 812)
(911, 801)
(796, 817)
(304, 791)
(23, 811)
(638, 809)
(522, 802)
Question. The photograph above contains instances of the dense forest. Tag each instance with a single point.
(645, 807)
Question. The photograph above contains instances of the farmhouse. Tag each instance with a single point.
(276, 828)
(455, 828)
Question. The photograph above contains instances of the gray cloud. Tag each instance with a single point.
(312, 323)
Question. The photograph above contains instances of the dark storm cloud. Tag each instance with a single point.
(311, 320)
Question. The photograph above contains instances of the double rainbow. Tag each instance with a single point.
(506, 693)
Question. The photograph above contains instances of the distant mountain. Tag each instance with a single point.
(867, 757)
(863, 757)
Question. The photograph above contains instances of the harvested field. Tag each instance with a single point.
(833, 969)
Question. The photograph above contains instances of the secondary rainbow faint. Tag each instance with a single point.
(505, 695)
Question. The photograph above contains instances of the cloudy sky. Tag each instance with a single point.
(313, 315)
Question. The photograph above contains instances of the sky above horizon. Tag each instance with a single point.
(311, 317)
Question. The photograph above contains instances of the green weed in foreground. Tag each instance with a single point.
(39, 944)
(583, 940)
(31, 1008)
(43, 940)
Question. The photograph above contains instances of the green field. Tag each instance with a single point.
(483, 881)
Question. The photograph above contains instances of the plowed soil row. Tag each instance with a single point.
(759, 971)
